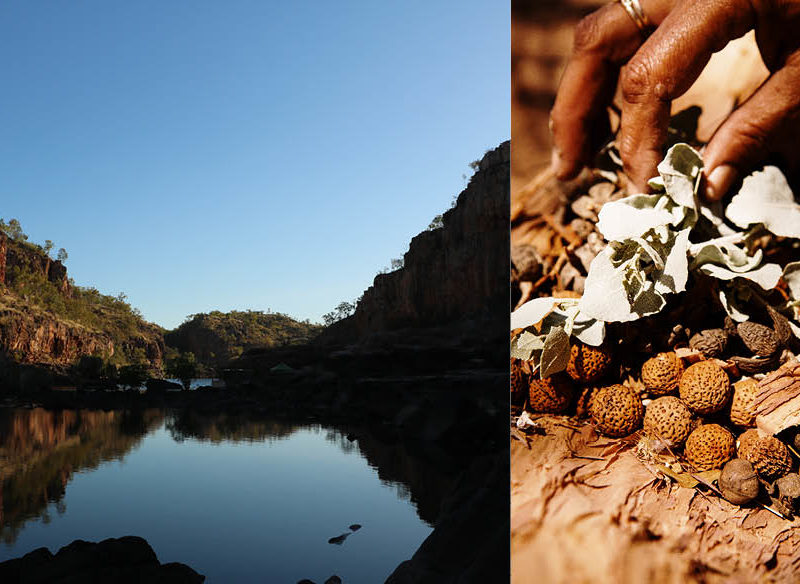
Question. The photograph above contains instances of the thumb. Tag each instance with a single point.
(762, 125)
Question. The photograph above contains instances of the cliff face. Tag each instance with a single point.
(44, 321)
(453, 273)
(32, 337)
(15, 256)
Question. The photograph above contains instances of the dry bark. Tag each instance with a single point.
(589, 509)
(777, 403)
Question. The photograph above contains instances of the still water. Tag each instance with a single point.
(238, 500)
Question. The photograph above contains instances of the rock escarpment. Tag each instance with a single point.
(16, 256)
(48, 323)
(38, 337)
(454, 273)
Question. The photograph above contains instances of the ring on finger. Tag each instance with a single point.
(634, 10)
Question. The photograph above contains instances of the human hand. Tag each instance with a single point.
(653, 71)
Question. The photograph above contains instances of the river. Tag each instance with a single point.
(238, 498)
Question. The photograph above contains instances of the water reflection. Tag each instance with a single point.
(227, 427)
(40, 450)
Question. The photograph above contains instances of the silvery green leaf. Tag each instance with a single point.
(589, 331)
(766, 276)
(561, 317)
(651, 252)
(791, 273)
(555, 353)
(713, 212)
(526, 344)
(724, 253)
(676, 268)
(656, 183)
(680, 170)
(728, 296)
(571, 313)
(765, 197)
(795, 329)
(532, 312)
(632, 216)
(605, 294)
(648, 301)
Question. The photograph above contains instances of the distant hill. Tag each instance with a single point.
(217, 337)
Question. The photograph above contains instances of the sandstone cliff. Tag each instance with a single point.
(47, 322)
(16, 257)
(455, 273)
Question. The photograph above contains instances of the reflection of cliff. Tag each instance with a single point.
(423, 481)
(40, 449)
(233, 427)
(415, 477)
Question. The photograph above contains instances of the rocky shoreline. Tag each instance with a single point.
(126, 560)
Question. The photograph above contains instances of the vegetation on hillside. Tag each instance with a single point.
(13, 229)
(217, 337)
(29, 290)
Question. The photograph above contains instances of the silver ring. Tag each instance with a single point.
(634, 10)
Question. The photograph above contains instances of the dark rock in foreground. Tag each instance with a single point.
(470, 542)
(127, 560)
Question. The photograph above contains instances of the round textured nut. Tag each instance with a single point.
(661, 374)
(769, 456)
(616, 410)
(520, 381)
(710, 342)
(587, 363)
(667, 418)
(744, 394)
(738, 481)
(709, 447)
(761, 340)
(705, 387)
(550, 395)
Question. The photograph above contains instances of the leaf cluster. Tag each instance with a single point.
(655, 242)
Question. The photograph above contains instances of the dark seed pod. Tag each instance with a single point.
(738, 481)
(525, 263)
(520, 381)
(760, 339)
(785, 494)
(752, 365)
(730, 327)
(710, 342)
(781, 325)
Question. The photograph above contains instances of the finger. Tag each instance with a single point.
(766, 123)
(664, 68)
(603, 40)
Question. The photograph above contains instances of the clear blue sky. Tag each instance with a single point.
(220, 155)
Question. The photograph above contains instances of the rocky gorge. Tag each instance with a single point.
(420, 365)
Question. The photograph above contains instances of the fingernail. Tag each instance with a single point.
(719, 181)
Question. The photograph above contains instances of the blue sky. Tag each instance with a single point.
(237, 154)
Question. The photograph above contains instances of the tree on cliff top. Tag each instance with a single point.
(13, 229)
(342, 311)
